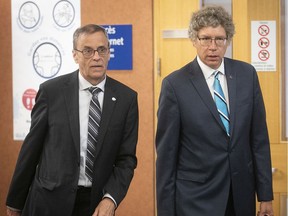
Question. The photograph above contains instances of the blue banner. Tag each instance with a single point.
(120, 38)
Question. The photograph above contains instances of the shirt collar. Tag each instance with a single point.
(84, 84)
(207, 71)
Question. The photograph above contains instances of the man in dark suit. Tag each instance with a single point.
(210, 161)
(50, 177)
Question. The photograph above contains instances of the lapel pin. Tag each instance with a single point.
(113, 99)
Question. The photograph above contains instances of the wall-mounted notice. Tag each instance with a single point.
(263, 45)
(120, 38)
(42, 33)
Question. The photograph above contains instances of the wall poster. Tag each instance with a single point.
(41, 49)
(263, 45)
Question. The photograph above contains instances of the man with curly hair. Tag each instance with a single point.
(213, 151)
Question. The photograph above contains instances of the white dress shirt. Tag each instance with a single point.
(84, 102)
(209, 77)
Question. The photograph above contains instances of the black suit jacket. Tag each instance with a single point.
(46, 175)
(196, 160)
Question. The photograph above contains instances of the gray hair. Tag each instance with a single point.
(211, 16)
(88, 29)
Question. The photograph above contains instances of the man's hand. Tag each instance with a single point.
(105, 208)
(11, 212)
(266, 209)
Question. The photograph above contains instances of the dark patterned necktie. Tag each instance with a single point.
(221, 103)
(93, 128)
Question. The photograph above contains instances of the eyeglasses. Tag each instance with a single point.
(207, 41)
(89, 52)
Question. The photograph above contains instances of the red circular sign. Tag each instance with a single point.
(263, 42)
(264, 55)
(263, 30)
(28, 98)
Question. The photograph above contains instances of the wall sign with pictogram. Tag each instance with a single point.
(263, 45)
(41, 49)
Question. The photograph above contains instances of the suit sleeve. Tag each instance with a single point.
(126, 161)
(29, 154)
(261, 146)
(167, 145)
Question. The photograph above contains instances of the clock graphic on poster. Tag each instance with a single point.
(47, 60)
(29, 15)
(63, 13)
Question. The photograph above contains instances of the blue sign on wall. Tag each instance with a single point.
(120, 38)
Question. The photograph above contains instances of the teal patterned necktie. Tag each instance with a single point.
(221, 104)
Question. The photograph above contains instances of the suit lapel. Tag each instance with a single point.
(198, 80)
(71, 94)
(109, 102)
(231, 84)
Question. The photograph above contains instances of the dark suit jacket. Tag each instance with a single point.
(47, 171)
(196, 160)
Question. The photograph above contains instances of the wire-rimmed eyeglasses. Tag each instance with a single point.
(207, 41)
(89, 52)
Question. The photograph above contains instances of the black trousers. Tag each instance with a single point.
(230, 206)
(82, 202)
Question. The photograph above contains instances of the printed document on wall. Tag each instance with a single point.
(42, 33)
(263, 45)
